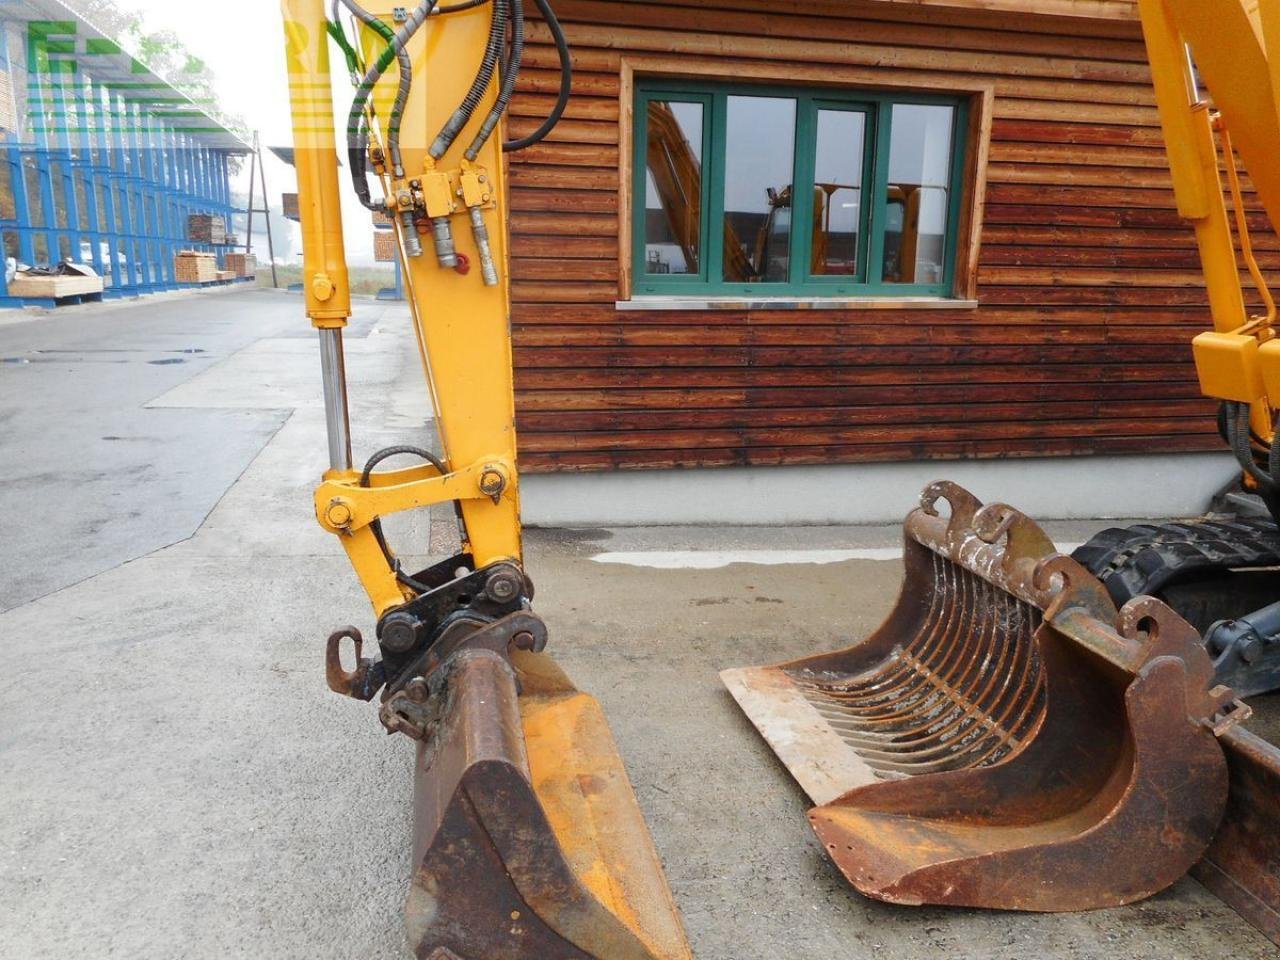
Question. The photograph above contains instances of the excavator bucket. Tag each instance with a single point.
(528, 841)
(1007, 738)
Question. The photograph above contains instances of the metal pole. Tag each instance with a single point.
(253, 177)
(336, 411)
(266, 211)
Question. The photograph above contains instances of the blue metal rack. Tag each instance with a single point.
(104, 172)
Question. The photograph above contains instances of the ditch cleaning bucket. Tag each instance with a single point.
(1007, 738)
(528, 841)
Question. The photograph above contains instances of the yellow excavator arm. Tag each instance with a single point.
(1216, 88)
(528, 841)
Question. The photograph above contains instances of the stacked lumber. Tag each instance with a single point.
(206, 228)
(193, 266)
(384, 246)
(8, 119)
(242, 264)
(43, 287)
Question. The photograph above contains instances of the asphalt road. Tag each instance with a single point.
(176, 781)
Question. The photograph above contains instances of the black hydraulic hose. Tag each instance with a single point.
(459, 7)
(396, 51)
(510, 74)
(356, 135)
(1273, 456)
(376, 526)
(1238, 435)
(406, 81)
(390, 452)
(566, 82)
(484, 77)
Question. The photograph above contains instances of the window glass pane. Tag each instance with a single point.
(837, 192)
(759, 155)
(673, 189)
(919, 194)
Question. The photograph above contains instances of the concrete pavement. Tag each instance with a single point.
(176, 781)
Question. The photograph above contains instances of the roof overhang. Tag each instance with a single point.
(101, 58)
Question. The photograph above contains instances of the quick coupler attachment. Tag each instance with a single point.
(1008, 738)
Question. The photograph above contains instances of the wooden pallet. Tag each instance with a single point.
(54, 288)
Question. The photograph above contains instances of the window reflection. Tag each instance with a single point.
(837, 192)
(919, 195)
(759, 160)
(673, 190)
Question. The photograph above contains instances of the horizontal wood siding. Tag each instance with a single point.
(1088, 282)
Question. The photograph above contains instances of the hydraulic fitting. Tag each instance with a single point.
(406, 204)
(412, 245)
(438, 199)
(446, 252)
(473, 187)
(488, 269)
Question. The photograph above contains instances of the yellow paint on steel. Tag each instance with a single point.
(324, 263)
(463, 330)
(588, 800)
(1224, 39)
(1193, 160)
(463, 325)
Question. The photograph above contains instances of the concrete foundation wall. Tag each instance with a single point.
(1051, 488)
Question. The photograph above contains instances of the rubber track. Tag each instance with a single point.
(1146, 558)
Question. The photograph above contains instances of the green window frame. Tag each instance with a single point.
(866, 280)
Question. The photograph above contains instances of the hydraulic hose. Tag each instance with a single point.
(566, 82)
(396, 50)
(348, 51)
(367, 474)
(459, 7)
(356, 136)
(1238, 434)
(484, 77)
(406, 80)
(510, 74)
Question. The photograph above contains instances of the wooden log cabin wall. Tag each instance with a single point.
(1076, 294)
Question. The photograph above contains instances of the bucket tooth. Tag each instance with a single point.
(528, 841)
(1007, 738)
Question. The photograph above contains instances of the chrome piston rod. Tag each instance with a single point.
(337, 416)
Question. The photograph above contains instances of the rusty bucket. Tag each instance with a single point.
(528, 838)
(1007, 738)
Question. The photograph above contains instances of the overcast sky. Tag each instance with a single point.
(243, 43)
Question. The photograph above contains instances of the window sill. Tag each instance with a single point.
(794, 303)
